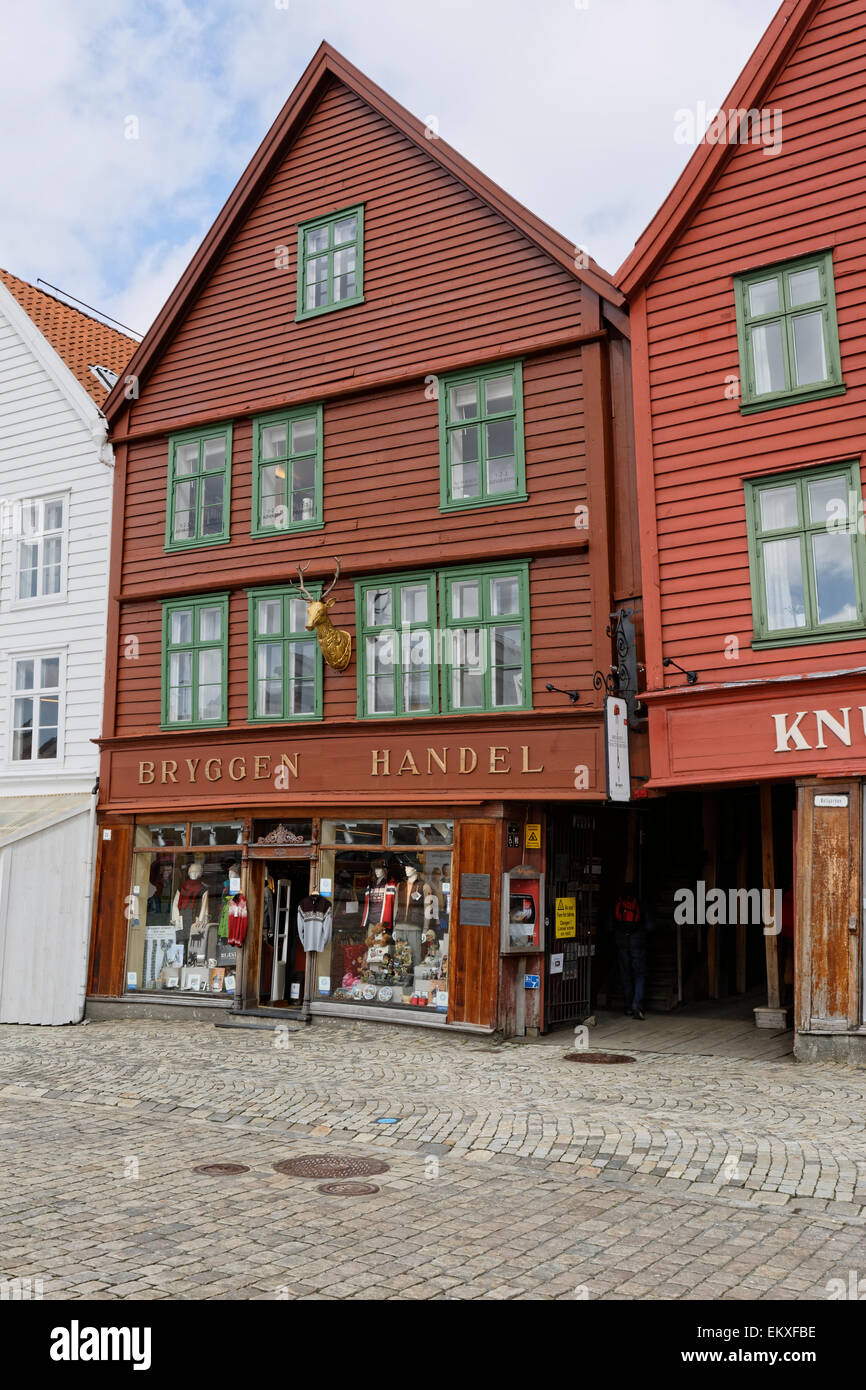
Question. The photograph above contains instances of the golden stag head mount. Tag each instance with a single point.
(334, 644)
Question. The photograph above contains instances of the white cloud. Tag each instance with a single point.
(570, 109)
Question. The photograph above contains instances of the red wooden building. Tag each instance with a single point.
(746, 294)
(377, 358)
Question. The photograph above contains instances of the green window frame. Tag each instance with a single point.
(486, 638)
(195, 662)
(287, 442)
(779, 311)
(481, 448)
(331, 262)
(397, 656)
(285, 662)
(807, 556)
(199, 488)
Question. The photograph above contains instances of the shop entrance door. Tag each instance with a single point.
(281, 980)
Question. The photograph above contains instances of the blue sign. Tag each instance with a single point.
(531, 981)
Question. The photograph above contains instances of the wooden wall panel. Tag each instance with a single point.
(473, 965)
(108, 932)
(810, 196)
(829, 912)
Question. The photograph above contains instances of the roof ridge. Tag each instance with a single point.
(55, 299)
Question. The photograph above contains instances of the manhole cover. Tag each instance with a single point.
(347, 1189)
(603, 1057)
(221, 1170)
(329, 1166)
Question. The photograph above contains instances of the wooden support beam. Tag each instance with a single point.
(768, 859)
(711, 872)
(742, 872)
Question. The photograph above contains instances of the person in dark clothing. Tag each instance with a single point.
(630, 924)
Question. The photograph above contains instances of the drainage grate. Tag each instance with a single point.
(603, 1057)
(347, 1189)
(221, 1170)
(329, 1166)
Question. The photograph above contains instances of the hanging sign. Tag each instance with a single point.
(616, 739)
(533, 837)
(566, 918)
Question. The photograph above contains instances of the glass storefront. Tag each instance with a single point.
(184, 878)
(390, 884)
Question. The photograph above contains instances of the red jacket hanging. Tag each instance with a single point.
(238, 920)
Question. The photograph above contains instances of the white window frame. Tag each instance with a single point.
(33, 766)
(18, 537)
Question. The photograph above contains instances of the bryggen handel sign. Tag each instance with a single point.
(495, 759)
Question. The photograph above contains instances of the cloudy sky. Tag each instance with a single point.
(568, 104)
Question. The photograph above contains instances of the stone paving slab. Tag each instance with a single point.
(514, 1174)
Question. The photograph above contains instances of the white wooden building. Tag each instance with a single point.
(56, 477)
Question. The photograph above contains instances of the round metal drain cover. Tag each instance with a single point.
(347, 1189)
(603, 1057)
(329, 1166)
(221, 1170)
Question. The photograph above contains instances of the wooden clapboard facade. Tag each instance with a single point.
(454, 285)
(746, 295)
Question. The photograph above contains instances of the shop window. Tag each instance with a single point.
(217, 833)
(199, 488)
(396, 653)
(485, 613)
(285, 680)
(391, 914)
(352, 832)
(194, 661)
(806, 555)
(178, 913)
(423, 832)
(36, 705)
(481, 453)
(788, 335)
(331, 262)
(41, 556)
(287, 472)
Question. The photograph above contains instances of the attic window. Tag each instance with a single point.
(106, 376)
(331, 262)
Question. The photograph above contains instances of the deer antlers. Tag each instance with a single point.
(302, 569)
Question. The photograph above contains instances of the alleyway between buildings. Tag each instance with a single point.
(513, 1173)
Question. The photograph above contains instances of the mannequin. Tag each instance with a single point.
(189, 907)
(410, 909)
(379, 900)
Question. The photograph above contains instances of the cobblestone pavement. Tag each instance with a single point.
(513, 1173)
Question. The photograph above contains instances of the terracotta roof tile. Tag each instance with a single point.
(82, 342)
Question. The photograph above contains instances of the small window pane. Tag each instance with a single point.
(303, 435)
(218, 833)
(302, 661)
(54, 514)
(500, 438)
(24, 674)
(464, 445)
(297, 614)
(778, 508)
(181, 626)
(507, 646)
(464, 401)
(380, 654)
(378, 607)
(464, 480)
(380, 694)
(272, 494)
(466, 598)
(47, 740)
(352, 832)
(416, 649)
(810, 358)
(783, 582)
(180, 668)
(413, 603)
(466, 689)
(344, 287)
(505, 595)
(828, 500)
(316, 240)
(834, 577)
(274, 442)
(185, 501)
(317, 270)
(344, 261)
(467, 647)
(269, 615)
(317, 295)
(499, 394)
(186, 458)
(768, 358)
(303, 506)
(804, 286)
(507, 686)
(501, 475)
(28, 572)
(214, 453)
(210, 624)
(764, 298)
(416, 691)
(345, 230)
(50, 675)
(212, 505)
(303, 474)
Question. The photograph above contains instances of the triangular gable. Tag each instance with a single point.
(326, 64)
(52, 363)
(756, 79)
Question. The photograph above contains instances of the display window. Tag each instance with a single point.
(390, 884)
(185, 909)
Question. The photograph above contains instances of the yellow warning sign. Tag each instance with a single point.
(533, 837)
(566, 918)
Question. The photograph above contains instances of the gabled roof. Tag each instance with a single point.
(80, 341)
(759, 74)
(328, 64)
